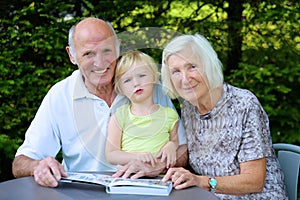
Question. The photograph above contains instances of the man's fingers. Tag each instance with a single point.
(137, 168)
(44, 172)
(55, 169)
(138, 174)
(121, 170)
(126, 174)
(45, 178)
(62, 171)
(153, 161)
(118, 174)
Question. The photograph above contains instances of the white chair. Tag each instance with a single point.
(289, 159)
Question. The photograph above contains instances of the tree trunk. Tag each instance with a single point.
(235, 38)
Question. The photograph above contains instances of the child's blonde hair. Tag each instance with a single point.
(128, 59)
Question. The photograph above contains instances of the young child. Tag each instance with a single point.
(141, 130)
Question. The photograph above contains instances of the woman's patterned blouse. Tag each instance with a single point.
(236, 130)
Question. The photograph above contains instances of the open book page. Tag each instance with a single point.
(153, 187)
(123, 186)
(156, 183)
(95, 178)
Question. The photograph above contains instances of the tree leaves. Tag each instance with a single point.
(34, 36)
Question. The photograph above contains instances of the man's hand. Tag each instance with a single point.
(146, 157)
(48, 172)
(137, 169)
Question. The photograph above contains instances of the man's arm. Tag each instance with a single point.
(182, 156)
(23, 166)
(46, 172)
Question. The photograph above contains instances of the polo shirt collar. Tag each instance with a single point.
(80, 90)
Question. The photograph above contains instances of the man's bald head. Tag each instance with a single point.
(91, 28)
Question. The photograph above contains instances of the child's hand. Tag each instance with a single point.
(168, 154)
(146, 157)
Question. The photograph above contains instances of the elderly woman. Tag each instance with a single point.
(229, 142)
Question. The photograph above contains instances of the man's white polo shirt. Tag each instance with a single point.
(74, 120)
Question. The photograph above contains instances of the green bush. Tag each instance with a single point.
(33, 57)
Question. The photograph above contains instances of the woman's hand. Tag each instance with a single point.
(181, 178)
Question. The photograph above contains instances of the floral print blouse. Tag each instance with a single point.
(236, 130)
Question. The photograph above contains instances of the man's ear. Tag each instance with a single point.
(72, 59)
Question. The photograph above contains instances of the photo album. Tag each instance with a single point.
(149, 186)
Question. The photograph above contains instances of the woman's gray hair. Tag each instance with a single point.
(71, 39)
(201, 48)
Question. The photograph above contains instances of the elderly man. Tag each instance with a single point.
(74, 114)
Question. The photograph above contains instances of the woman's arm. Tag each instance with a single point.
(250, 180)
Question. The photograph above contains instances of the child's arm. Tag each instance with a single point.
(113, 151)
(168, 151)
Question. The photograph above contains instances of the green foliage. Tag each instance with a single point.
(266, 51)
(270, 64)
(276, 91)
(33, 59)
(8, 148)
